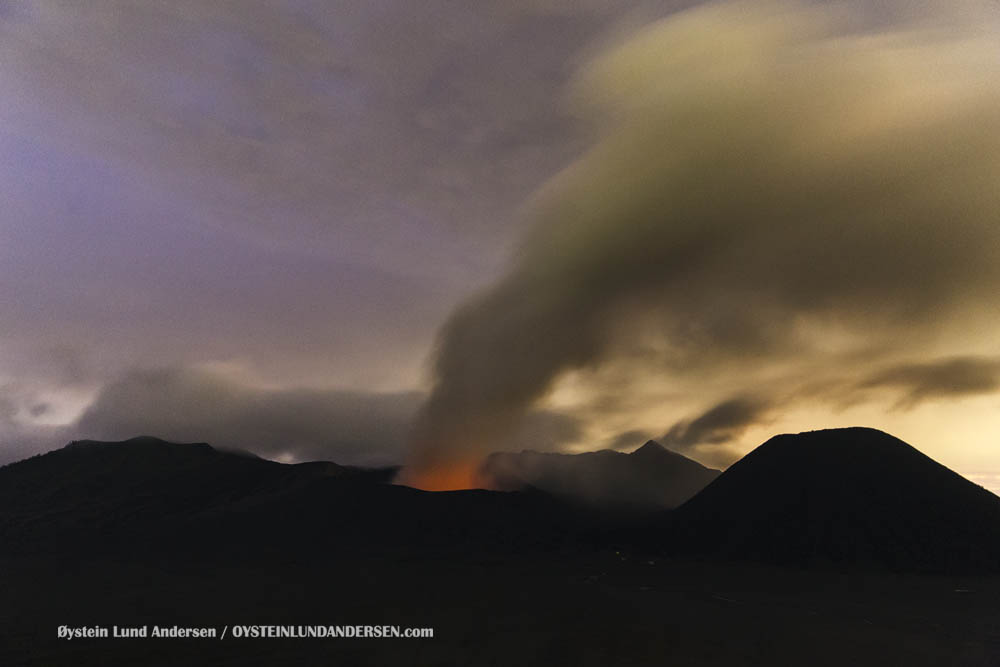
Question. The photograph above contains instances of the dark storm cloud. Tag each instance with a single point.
(719, 424)
(188, 405)
(712, 436)
(752, 202)
(943, 378)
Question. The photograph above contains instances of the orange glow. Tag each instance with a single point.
(445, 476)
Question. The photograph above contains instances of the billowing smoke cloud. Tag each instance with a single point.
(766, 176)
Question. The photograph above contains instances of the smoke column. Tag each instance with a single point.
(758, 166)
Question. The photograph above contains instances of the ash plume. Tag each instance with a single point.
(762, 171)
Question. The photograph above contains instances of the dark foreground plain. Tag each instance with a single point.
(837, 548)
(602, 609)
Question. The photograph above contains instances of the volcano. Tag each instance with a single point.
(853, 495)
(651, 477)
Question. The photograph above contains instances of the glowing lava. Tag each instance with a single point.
(442, 476)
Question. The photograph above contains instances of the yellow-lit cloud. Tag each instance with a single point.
(780, 204)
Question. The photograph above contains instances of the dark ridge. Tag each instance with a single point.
(137, 441)
(238, 452)
(89, 488)
(650, 478)
(853, 496)
(149, 494)
(127, 456)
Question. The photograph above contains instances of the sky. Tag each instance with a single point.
(389, 231)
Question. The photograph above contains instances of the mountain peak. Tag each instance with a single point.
(651, 448)
(651, 477)
(843, 495)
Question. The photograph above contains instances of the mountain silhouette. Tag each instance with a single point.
(90, 487)
(651, 477)
(855, 495)
(161, 534)
(149, 493)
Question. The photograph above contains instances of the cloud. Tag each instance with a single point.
(20, 435)
(768, 184)
(323, 113)
(543, 431)
(8, 409)
(629, 439)
(345, 166)
(39, 409)
(949, 378)
(188, 405)
(719, 424)
(711, 436)
(361, 428)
